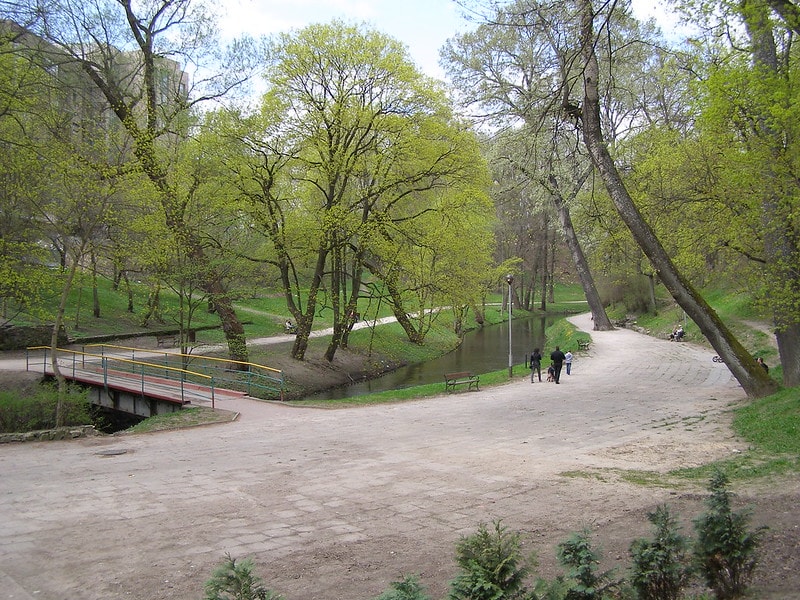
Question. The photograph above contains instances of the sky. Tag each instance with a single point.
(422, 25)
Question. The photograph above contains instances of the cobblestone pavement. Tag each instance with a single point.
(338, 503)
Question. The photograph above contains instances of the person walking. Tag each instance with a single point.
(557, 356)
(568, 361)
(536, 364)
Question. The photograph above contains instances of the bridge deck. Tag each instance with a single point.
(167, 390)
(165, 377)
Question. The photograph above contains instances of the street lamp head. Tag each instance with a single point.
(509, 279)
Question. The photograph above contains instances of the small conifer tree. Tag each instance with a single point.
(585, 582)
(235, 581)
(725, 551)
(492, 565)
(661, 565)
(407, 589)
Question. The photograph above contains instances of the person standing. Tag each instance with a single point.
(536, 364)
(568, 361)
(557, 356)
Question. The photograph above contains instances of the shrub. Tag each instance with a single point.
(235, 581)
(39, 411)
(581, 559)
(660, 566)
(407, 589)
(725, 551)
(492, 565)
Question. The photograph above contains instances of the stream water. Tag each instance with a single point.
(484, 350)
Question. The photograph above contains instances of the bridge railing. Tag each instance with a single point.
(256, 380)
(77, 362)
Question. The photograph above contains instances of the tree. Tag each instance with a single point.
(353, 151)
(126, 51)
(751, 377)
(726, 549)
(491, 565)
(505, 70)
(772, 121)
(660, 565)
(23, 92)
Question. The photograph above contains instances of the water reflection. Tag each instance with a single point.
(483, 351)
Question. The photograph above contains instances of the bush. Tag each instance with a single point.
(235, 581)
(407, 589)
(660, 566)
(18, 414)
(492, 566)
(581, 559)
(725, 551)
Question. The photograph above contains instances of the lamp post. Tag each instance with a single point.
(509, 281)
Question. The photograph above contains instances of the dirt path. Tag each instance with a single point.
(338, 503)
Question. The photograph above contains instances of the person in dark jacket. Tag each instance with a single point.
(536, 364)
(557, 356)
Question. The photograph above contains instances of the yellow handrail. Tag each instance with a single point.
(200, 356)
(126, 360)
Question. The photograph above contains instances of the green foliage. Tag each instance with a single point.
(660, 565)
(773, 423)
(39, 411)
(492, 565)
(565, 335)
(407, 589)
(234, 580)
(770, 426)
(586, 583)
(726, 550)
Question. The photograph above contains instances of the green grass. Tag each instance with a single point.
(769, 426)
(733, 307)
(772, 423)
(411, 393)
(562, 332)
(186, 417)
(565, 335)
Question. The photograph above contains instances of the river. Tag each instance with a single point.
(484, 350)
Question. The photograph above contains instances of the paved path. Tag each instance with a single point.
(338, 503)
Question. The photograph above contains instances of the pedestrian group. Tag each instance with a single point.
(558, 361)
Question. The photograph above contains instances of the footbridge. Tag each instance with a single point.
(146, 382)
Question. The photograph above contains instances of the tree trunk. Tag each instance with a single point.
(777, 207)
(599, 316)
(753, 379)
(231, 325)
(61, 381)
(545, 263)
(352, 304)
(95, 293)
(339, 320)
(306, 320)
(400, 314)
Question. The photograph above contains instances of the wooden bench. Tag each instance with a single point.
(583, 344)
(451, 380)
(167, 340)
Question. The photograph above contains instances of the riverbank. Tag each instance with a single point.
(339, 503)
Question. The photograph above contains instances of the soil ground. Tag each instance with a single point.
(337, 504)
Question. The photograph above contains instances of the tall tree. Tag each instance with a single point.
(747, 144)
(505, 70)
(127, 52)
(779, 197)
(354, 147)
(750, 375)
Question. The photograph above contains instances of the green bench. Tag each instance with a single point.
(452, 380)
